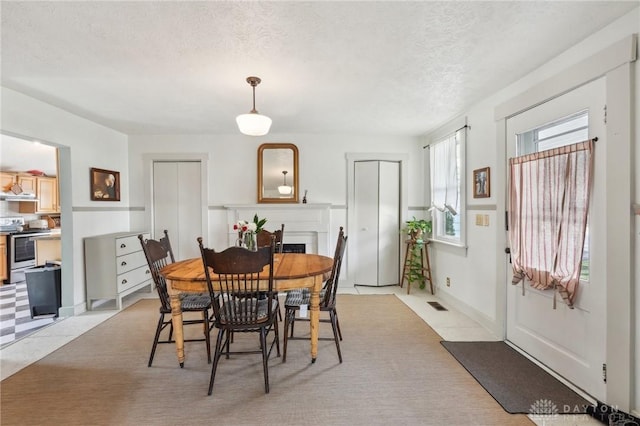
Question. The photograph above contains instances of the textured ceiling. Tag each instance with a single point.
(174, 67)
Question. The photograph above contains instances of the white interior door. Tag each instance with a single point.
(377, 218)
(572, 342)
(177, 205)
(366, 215)
(389, 223)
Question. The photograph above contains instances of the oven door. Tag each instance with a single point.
(22, 251)
(21, 255)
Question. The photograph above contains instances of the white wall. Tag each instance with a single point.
(478, 276)
(83, 144)
(233, 170)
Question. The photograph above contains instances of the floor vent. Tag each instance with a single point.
(437, 306)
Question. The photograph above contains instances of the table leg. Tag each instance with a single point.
(314, 307)
(176, 319)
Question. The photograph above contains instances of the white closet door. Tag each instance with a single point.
(177, 205)
(377, 215)
(389, 223)
(366, 213)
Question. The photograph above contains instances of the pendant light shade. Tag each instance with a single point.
(284, 189)
(253, 123)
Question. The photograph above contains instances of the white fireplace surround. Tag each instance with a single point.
(306, 224)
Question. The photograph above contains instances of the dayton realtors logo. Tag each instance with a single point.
(543, 410)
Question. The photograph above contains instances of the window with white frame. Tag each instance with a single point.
(446, 163)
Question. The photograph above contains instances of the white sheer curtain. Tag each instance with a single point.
(548, 210)
(444, 175)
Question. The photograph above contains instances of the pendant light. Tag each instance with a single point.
(284, 189)
(253, 124)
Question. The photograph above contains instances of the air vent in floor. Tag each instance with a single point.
(437, 306)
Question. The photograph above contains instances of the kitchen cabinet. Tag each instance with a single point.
(48, 249)
(6, 181)
(46, 190)
(3, 258)
(115, 266)
(27, 183)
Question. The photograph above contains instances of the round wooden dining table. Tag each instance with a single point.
(290, 271)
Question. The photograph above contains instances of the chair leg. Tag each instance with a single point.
(287, 321)
(338, 324)
(279, 312)
(276, 325)
(293, 321)
(265, 366)
(207, 337)
(155, 339)
(334, 325)
(216, 358)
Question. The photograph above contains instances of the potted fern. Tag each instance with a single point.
(418, 230)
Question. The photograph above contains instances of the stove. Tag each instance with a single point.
(30, 231)
(14, 225)
(21, 254)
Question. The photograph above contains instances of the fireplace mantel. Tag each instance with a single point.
(303, 223)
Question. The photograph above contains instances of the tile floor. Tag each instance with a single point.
(450, 324)
(15, 315)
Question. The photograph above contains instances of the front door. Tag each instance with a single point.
(571, 342)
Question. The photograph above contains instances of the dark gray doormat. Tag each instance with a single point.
(514, 381)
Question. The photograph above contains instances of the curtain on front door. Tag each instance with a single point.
(548, 211)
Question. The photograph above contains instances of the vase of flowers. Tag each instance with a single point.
(250, 241)
(247, 232)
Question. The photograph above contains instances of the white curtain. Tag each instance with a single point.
(444, 174)
(548, 210)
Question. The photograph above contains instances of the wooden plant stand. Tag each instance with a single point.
(424, 263)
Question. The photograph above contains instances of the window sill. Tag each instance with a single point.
(454, 247)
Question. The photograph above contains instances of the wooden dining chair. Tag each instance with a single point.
(243, 300)
(299, 297)
(264, 238)
(159, 254)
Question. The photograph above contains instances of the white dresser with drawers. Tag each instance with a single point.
(115, 266)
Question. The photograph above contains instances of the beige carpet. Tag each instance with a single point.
(394, 372)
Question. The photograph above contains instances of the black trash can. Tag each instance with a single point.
(44, 289)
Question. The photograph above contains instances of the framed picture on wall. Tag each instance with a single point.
(105, 185)
(481, 183)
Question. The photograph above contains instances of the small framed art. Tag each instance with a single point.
(105, 185)
(481, 183)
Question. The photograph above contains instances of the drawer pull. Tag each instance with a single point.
(147, 272)
(123, 245)
(123, 263)
(124, 282)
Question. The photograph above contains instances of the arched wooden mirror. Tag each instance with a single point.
(278, 173)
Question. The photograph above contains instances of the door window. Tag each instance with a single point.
(563, 131)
